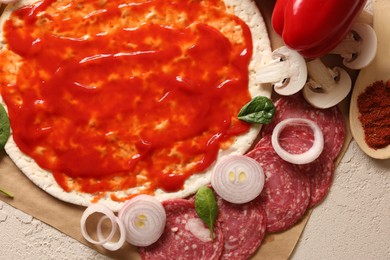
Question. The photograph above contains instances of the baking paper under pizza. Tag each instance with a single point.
(109, 99)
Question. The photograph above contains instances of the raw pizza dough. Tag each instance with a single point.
(250, 14)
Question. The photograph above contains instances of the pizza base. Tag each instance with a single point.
(248, 11)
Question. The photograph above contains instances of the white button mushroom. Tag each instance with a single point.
(326, 87)
(287, 71)
(359, 46)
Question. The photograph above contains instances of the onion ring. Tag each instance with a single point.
(144, 218)
(238, 179)
(112, 246)
(303, 158)
(97, 208)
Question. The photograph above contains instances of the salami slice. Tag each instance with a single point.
(329, 120)
(244, 228)
(298, 139)
(286, 192)
(320, 173)
(185, 236)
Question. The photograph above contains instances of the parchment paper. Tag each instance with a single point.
(65, 217)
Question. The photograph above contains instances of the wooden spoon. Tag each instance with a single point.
(379, 69)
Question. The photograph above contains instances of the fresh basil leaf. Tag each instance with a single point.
(206, 207)
(260, 110)
(5, 130)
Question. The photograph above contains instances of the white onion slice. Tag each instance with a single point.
(112, 246)
(98, 208)
(144, 218)
(238, 179)
(302, 158)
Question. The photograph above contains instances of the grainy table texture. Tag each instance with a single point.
(352, 223)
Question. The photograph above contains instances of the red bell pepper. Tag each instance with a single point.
(314, 27)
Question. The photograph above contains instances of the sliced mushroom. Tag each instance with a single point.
(358, 48)
(287, 72)
(326, 87)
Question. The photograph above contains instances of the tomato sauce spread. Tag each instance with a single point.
(112, 94)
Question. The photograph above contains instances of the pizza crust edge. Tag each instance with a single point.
(246, 10)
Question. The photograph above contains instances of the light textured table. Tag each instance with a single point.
(352, 223)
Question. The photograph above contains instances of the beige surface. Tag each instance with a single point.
(346, 225)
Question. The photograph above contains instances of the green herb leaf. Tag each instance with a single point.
(206, 207)
(260, 110)
(5, 130)
(6, 193)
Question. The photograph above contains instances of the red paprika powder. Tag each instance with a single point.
(374, 108)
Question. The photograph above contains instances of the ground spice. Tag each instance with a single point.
(374, 108)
